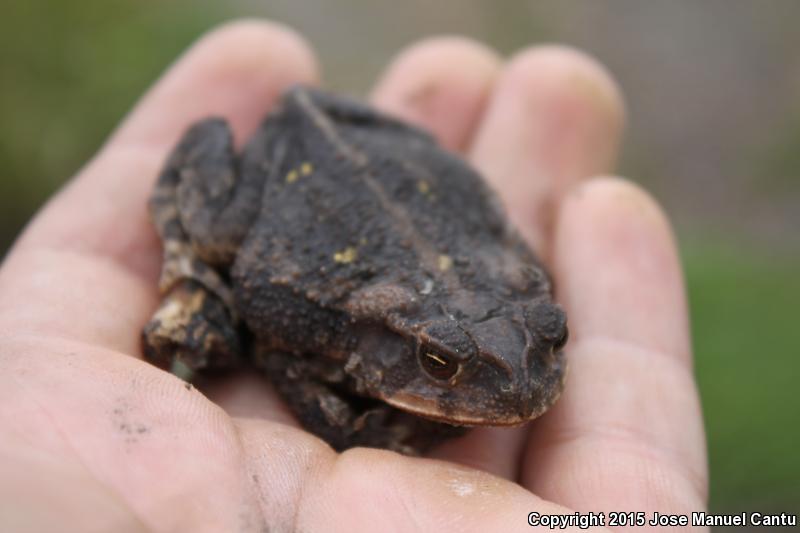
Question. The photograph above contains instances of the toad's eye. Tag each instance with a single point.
(437, 365)
(561, 341)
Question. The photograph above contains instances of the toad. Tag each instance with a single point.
(371, 274)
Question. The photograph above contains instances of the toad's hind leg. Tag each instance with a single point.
(200, 214)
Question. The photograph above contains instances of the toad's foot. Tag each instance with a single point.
(192, 330)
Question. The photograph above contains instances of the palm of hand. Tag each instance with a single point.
(95, 438)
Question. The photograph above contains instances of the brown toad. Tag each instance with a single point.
(369, 272)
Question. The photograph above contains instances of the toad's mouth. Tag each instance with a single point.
(429, 408)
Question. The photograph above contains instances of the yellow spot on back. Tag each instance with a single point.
(423, 187)
(445, 262)
(306, 169)
(292, 176)
(348, 255)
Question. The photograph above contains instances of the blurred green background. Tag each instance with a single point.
(713, 90)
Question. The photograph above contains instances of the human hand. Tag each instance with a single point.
(93, 439)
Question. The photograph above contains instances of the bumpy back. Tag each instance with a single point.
(355, 198)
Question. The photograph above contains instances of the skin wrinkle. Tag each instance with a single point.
(409, 509)
(330, 470)
(240, 445)
(316, 465)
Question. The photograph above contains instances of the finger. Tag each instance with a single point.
(86, 267)
(440, 84)
(494, 450)
(248, 394)
(627, 432)
(349, 492)
(554, 118)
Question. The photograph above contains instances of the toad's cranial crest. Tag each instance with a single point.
(371, 274)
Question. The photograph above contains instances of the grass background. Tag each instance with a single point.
(70, 70)
(744, 317)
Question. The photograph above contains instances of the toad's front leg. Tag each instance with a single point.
(318, 395)
(314, 394)
(201, 207)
